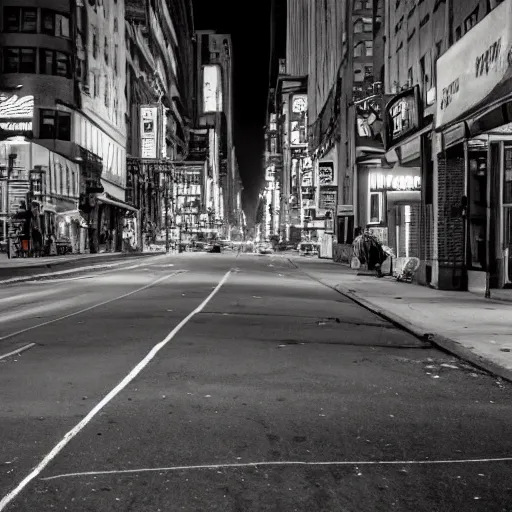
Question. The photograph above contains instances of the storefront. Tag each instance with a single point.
(396, 200)
(474, 114)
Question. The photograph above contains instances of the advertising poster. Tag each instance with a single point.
(326, 173)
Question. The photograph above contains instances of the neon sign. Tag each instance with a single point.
(16, 114)
(379, 181)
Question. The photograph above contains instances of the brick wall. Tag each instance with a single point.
(450, 227)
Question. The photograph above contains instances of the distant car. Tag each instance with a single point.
(265, 249)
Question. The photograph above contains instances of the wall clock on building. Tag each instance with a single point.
(299, 105)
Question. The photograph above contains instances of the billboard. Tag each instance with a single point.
(149, 131)
(212, 89)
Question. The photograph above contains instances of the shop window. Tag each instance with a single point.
(54, 125)
(19, 60)
(375, 208)
(20, 19)
(54, 63)
(54, 23)
(507, 177)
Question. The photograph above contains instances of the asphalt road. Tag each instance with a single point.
(210, 382)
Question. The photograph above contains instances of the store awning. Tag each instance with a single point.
(104, 199)
(74, 215)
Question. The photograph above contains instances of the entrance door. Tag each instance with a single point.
(507, 239)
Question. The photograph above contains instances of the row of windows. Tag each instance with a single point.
(54, 124)
(27, 21)
(24, 60)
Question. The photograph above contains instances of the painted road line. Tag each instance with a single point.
(75, 313)
(280, 463)
(17, 352)
(8, 498)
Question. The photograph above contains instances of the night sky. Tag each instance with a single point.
(249, 25)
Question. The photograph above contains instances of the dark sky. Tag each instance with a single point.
(249, 25)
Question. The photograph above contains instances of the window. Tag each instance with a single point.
(359, 50)
(94, 44)
(471, 20)
(54, 23)
(115, 25)
(106, 93)
(20, 19)
(358, 5)
(54, 63)
(54, 125)
(375, 208)
(368, 71)
(369, 48)
(19, 60)
(358, 27)
(458, 33)
(105, 50)
(410, 77)
(116, 50)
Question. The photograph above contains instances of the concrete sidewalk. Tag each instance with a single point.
(17, 270)
(476, 329)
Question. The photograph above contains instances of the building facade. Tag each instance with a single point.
(62, 63)
(214, 93)
(447, 135)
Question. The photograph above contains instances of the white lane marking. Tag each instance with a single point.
(8, 498)
(280, 463)
(18, 351)
(48, 322)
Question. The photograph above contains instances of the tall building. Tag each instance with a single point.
(214, 96)
(62, 123)
(159, 91)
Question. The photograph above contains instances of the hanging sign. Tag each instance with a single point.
(148, 131)
(402, 116)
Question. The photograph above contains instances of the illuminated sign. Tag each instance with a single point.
(474, 71)
(16, 114)
(148, 131)
(212, 89)
(298, 119)
(379, 181)
(402, 116)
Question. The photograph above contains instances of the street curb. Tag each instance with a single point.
(442, 342)
(105, 266)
